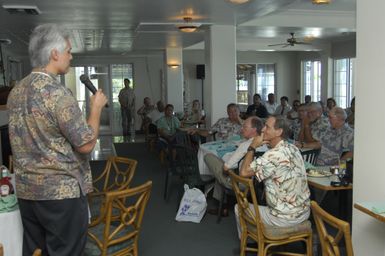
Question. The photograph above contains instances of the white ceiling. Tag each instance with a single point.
(119, 27)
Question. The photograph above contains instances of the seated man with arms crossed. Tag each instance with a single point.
(226, 127)
(337, 141)
(251, 127)
(313, 125)
(283, 172)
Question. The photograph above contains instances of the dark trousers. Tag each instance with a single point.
(57, 227)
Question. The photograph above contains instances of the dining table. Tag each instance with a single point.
(323, 184)
(11, 233)
(11, 229)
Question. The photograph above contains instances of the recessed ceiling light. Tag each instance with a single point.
(321, 2)
(238, 1)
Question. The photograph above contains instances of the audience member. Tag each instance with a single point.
(307, 99)
(271, 105)
(330, 103)
(154, 116)
(337, 141)
(297, 123)
(293, 113)
(282, 171)
(251, 127)
(350, 113)
(225, 127)
(167, 128)
(143, 111)
(314, 124)
(257, 108)
(284, 108)
(194, 116)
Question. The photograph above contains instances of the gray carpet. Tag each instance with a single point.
(161, 234)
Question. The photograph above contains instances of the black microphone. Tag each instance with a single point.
(87, 82)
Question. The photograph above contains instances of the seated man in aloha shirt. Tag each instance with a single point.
(337, 141)
(225, 127)
(282, 171)
(313, 125)
(251, 128)
(167, 126)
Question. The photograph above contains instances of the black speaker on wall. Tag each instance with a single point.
(200, 71)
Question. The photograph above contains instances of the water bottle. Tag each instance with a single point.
(132, 130)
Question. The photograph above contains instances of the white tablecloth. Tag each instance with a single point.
(11, 233)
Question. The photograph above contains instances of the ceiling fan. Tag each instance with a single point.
(291, 41)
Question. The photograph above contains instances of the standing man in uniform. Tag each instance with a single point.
(127, 106)
(51, 142)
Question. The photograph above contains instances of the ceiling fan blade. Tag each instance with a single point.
(286, 45)
(277, 44)
(302, 43)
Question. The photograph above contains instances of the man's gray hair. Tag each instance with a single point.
(281, 123)
(315, 105)
(339, 113)
(43, 40)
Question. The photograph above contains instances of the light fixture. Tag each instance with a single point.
(188, 27)
(238, 1)
(173, 66)
(319, 2)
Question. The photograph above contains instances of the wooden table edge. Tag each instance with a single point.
(369, 212)
(328, 188)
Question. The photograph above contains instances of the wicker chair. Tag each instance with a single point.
(117, 233)
(116, 176)
(329, 243)
(265, 236)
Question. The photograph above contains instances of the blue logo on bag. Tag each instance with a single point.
(185, 209)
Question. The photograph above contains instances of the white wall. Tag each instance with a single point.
(369, 175)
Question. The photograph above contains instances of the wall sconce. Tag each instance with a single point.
(319, 2)
(173, 66)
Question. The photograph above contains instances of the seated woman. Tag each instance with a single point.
(194, 117)
(167, 128)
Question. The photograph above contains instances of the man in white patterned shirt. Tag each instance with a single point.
(283, 172)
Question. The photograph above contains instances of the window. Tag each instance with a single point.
(254, 78)
(311, 75)
(343, 82)
(265, 80)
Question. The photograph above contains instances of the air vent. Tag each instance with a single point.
(22, 9)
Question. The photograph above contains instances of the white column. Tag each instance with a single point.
(174, 78)
(220, 84)
(369, 171)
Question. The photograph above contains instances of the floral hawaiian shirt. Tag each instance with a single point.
(226, 129)
(319, 127)
(283, 171)
(334, 142)
(45, 124)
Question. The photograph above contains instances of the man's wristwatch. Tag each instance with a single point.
(250, 148)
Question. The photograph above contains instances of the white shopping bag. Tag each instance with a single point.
(192, 206)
